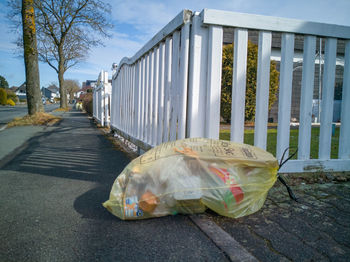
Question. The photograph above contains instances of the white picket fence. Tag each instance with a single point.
(171, 88)
(101, 99)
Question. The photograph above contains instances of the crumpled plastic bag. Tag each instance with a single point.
(187, 176)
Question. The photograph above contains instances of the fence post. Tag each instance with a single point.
(198, 66)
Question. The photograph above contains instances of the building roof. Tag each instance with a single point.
(53, 88)
(14, 88)
(22, 88)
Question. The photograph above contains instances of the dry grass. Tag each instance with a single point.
(37, 119)
(119, 145)
(66, 109)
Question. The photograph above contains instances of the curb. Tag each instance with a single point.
(3, 127)
(9, 157)
(224, 241)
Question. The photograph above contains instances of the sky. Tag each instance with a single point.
(137, 21)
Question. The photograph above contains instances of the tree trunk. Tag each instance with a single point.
(31, 59)
(61, 70)
(63, 91)
(71, 97)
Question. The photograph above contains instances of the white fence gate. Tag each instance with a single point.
(101, 99)
(171, 88)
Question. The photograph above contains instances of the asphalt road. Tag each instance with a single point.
(7, 113)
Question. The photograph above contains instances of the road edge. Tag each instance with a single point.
(224, 241)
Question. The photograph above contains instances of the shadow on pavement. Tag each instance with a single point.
(54, 190)
(74, 150)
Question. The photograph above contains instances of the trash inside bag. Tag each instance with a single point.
(190, 175)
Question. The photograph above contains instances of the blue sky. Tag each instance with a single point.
(136, 21)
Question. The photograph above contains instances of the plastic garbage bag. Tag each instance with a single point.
(187, 176)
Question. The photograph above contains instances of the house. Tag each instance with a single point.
(85, 87)
(14, 88)
(50, 92)
(253, 36)
(21, 91)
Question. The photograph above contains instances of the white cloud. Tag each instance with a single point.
(7, 36)
(146, 16)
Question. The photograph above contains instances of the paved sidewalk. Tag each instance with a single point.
(315, 229)
(51, 198)
(16, 139)
(50, 210)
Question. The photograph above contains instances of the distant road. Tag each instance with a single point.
(7, 113)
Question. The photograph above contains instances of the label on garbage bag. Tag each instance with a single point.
(131, 207)
(228, 179)
(190, 189)
(199, 147)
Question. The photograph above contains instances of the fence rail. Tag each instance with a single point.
(171, 88)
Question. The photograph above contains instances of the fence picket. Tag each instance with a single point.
(239, 84)
(262, 89)
(126, 104)
(212, 128)
(131, 98)
(182, 80)
(155, 97)
(327, 99)
(145, 134)
(142, 98)
(150, 98)
(285, 94)
(344, 138)
(121, 99)
(137, 98)
(167, 87)
(161, 84)
(307, 87)
(174, 85)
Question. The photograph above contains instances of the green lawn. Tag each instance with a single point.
(293, 141)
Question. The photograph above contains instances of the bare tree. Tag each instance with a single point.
(66, 31)
(72, 86)
(31, 58)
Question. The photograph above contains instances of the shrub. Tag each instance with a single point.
(87, 103)
(3, 97)
(11, 95)
(10, 102)
(250, 99)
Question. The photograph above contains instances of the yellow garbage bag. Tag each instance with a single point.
(187, 176)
